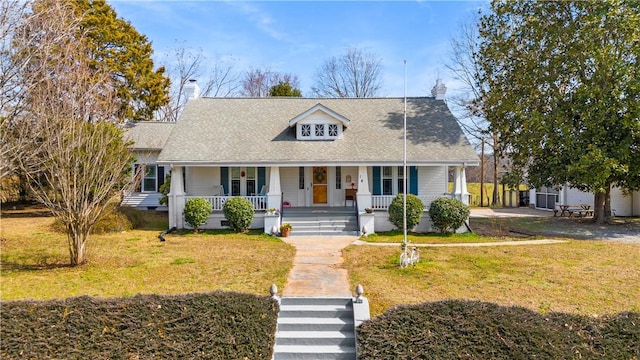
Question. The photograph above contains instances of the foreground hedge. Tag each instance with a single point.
(206, 326)
(477, 330)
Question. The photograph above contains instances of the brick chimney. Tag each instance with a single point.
(439, 90)
(191, 90)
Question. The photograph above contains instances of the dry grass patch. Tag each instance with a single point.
(582, 277)
(34, 258)
(434, 238)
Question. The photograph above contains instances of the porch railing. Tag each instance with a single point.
(217, 202)
(382, 202)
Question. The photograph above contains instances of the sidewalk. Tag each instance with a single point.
(317, 267)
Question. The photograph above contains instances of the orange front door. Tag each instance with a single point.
(320, 185)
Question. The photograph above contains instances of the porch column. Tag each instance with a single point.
(460, 185)
(176, 198)
(274, 195)
(363, 194)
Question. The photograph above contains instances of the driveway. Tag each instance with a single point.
(622, 229)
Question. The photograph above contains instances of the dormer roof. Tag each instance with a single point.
(319, 108)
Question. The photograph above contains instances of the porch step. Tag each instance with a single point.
(322, 226)
(322, 221)
(315, 328)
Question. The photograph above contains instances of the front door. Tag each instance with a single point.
(320, 185)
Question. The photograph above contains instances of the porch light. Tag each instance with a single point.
(242, 174)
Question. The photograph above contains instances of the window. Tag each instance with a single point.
(306, 130)
(251, 181)
(387, 180)
(301, 178)
(333, 130)
(319, 130)
(149, 180)
(338, 174)
(400, 179)
(235, 181)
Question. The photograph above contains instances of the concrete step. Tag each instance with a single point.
(314, 324)
(315, 301)
(315, 328)
(316, 338)
(326, 352)
(316, 311)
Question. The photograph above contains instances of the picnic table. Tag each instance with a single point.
(570, 209)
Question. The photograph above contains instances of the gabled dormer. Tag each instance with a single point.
(319, 123)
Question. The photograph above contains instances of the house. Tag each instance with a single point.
(622, 203)
(331, 157)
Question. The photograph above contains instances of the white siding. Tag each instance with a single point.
(432, 182)
(289, 185)
(621, 204)
(575, 196)
(146, 157)
(202, 180)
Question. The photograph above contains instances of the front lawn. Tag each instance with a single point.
(581, 277)
(34, 262)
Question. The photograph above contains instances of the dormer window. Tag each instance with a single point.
(333, 130)
(319, 123)
(305, 130)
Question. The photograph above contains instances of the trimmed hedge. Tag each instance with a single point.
(239, 213)
(448, 214)
(196, 212)
(208, 326)
(457, 329)
(415, 208)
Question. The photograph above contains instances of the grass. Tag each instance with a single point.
(582, 277)
(34, 262)
(579, 276)
(431, 238)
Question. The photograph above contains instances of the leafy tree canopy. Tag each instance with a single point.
(563, 92)
(115, 44)
(284, 89)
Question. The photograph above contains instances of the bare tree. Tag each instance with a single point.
(259, 81)
(217, 78)
(354, 74)
(464, 68)
(65, 143)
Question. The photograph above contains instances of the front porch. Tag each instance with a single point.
(336, 192)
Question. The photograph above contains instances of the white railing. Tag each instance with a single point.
(382, 202)
(217, 202)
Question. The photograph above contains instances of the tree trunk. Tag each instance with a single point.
(496, 197)
(602, 207)
(482, 174)
(77, 251)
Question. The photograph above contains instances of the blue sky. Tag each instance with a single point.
(298, 36)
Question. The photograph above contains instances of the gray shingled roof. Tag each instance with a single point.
(149, 135)
(255, 131)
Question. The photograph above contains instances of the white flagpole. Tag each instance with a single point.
(404, 163)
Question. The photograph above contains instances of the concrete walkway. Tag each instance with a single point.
(317, 266)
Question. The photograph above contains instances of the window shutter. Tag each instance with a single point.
(160, 175)
(224, 179)
(413, 180)
(262, 178)
(376, 181)
(137, 178)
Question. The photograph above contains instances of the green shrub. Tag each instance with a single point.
(415, 207)
(112, 220)
(219, 325)
(457, 329)
(239, 213)
(196, 212)
(448, 214)
(165, 189)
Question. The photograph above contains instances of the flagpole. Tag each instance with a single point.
(404, 163)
